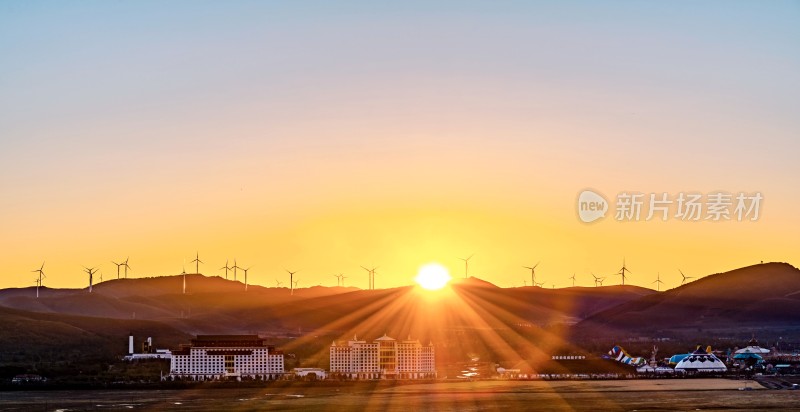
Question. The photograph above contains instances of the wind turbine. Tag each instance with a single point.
(118, 265)
(371, 275)
(127, 266)
(91, 272)
(291, 283)
(183, 273)
(226, 267)
(295, 283)
(540, 284)
(623, 270)
(197, 262)
(597, 280)
(235, 266)
(658, 282)
(466, 265)
(573, 279)
(278, 283)
(37, 282)
(245, 277)
(685, 278)
(533, 272)
(39, 279)
(338, 279)
(343, 278)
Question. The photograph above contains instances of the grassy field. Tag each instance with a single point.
(643, 395)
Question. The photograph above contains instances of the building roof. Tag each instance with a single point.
(384, 337)
(208, 341)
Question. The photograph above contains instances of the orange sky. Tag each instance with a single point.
(323, 140)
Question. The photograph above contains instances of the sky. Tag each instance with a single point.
(322, 136)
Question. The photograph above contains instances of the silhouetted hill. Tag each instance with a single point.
(56, 337)
(763, 295)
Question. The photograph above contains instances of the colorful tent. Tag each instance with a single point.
(619, 355)
(700, 361)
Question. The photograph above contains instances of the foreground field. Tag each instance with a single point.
(653, 395)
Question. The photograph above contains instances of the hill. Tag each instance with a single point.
(759, 296)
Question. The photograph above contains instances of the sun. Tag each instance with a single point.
(432, 276)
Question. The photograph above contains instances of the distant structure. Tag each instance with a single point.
(118, 266)
(658, 282)
(245, 277)
(753, 347)
(291, 281)
(623, 270)
(371, 275)
(466, 265)
(227, 268)
(148, 352)
(197, 262)
(685, 278)
(39, 279)
(533, 272)
(127, 266)
(91, 272)
(700, 361)
(383, 358)
(221, 357)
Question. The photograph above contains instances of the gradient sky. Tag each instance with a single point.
(321, 136)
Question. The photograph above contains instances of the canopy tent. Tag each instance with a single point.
(753, 347)
(701, 361)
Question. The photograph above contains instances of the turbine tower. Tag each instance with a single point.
(658, 282)
(227, 268)
(597, 280)
(371, 275)
(291, 283)
(197, 262)
(39, 279)
(533, 272)
(235, 266)
(466, 265)
(685, 278)
(127, 266)
(245, 277)
(573, 279)
(338, 279)
(91, 272)
(118, 265)
(623, 270)
(183, 273)
(343, 278)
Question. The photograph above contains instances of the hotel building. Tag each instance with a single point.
(216, 357)
(383, 358)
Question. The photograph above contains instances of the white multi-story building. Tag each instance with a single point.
(383, 358)
(214, 357)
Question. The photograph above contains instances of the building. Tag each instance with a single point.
(383, 358)
(216, 357)
(310, 373)
(148, 351)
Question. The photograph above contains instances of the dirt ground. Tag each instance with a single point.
(628, 395)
